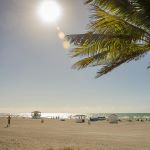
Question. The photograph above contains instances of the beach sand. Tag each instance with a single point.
(28, 134)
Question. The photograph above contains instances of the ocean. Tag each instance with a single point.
(69, 115)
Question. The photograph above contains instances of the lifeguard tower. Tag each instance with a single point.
(36, 114)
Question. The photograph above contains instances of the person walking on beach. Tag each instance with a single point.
(89, 121)
(8, 119)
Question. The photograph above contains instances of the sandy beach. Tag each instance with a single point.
(28, 134)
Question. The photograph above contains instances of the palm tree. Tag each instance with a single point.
(118, 32)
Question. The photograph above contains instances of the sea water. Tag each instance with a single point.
(70, 115)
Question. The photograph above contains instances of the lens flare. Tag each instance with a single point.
(58, 28)
(66, 44)
(61, 35)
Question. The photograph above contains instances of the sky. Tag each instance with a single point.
(35, 69)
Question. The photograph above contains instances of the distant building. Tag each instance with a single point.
(80, 118)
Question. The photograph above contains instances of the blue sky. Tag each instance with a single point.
(35, 70)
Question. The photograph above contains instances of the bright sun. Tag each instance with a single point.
(49, 11)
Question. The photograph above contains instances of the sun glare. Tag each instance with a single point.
(49, 11)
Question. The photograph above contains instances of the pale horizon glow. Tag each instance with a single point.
(49, 11)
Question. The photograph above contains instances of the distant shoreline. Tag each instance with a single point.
(68, 115)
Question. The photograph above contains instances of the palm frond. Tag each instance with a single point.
(118, 33)
(132, 55)
(90, 60)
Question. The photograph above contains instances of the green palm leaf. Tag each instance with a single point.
(118, 33)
